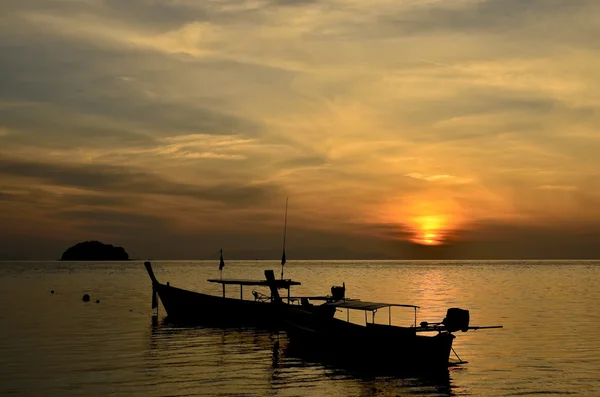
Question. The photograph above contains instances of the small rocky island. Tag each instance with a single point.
(94, 251)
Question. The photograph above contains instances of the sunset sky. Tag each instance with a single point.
(406, 129)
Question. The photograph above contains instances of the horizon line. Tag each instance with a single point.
(309, 260)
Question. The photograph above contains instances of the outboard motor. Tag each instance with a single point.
(457, 319)
(338, 293)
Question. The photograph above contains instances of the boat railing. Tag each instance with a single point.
(271, 283)
(456, 319)
(372, 307)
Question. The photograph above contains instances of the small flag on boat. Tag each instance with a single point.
(221, 263)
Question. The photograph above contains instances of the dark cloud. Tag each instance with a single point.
(495, 240)
(505, 241)
(294, 3)
(8, 196)
(151, 14)
(116, 179)
(9, 7)
(45, 125)
(78, 79)
(484, 101)
(502, 17)
(32, 195)
(392, 231)
(491, 16)
(110, 218)
(100, 200)
(303, 161)
(517, 28)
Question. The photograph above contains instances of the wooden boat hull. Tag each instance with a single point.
(372, 345)
(197, 308)
(186, 306)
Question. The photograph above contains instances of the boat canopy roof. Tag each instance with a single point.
(363, 305)
(285, 283)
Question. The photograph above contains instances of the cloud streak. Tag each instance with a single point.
(441, 177)
(120, 179)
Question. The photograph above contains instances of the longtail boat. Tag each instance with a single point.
(264, 310)
(269, 310)
(383, 345)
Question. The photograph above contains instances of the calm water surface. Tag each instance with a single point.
(57, 345)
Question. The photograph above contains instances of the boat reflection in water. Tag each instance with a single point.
(223, 361)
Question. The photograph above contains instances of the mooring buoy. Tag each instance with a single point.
(85, 298)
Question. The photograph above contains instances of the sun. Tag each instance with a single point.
(428, 229)
(429, 239)
(422, 220)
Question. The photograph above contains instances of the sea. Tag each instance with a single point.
(54, 344)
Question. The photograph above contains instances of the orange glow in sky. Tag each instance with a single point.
(428, 222)
(428, 229)
(429, 239)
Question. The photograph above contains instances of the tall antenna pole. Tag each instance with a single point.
(221, 265)
(284, 233)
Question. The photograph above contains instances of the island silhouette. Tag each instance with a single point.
(94, 251)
